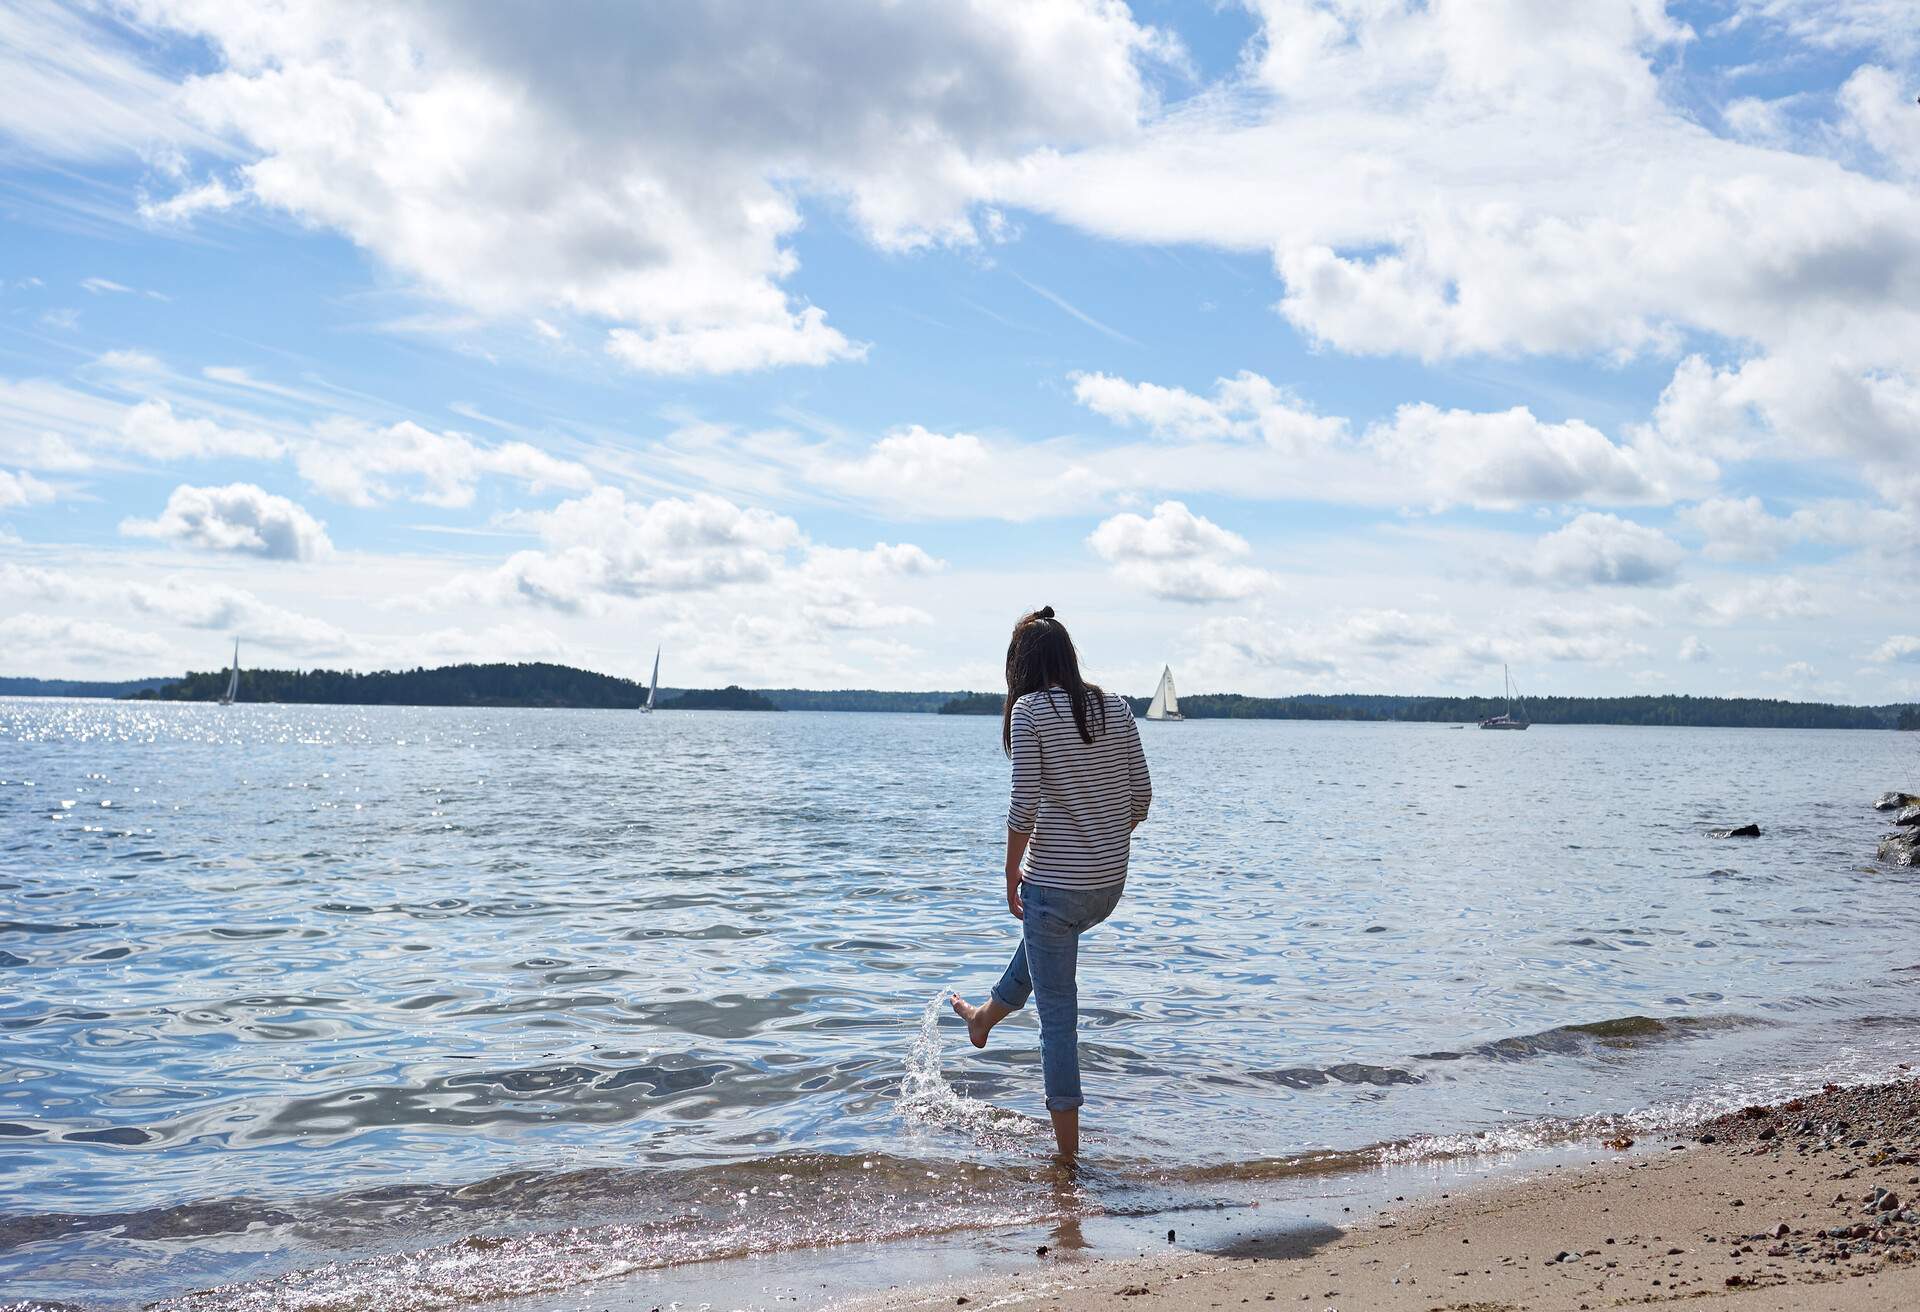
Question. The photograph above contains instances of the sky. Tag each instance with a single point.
(1301, 345)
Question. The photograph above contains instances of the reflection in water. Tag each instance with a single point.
(429, 1004)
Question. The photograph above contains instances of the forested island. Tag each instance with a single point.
(535, 684)
(531, 684)
(550, 685)
(730, 698)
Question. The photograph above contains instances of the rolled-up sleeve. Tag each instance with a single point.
(1025, 806)
(1139, 782)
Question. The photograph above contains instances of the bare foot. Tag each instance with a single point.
(980, 1020)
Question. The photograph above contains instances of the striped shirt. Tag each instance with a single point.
(1079, 800)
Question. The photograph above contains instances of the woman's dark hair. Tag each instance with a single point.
(1041, 656)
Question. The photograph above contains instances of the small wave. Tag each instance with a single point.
(1620, 1032)
(1350, 1072)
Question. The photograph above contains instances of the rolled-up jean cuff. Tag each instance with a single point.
(1065, 1104)
(994, 993)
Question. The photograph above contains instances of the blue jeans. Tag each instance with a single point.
(1043, 966)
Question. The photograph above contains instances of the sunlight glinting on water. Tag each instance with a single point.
(341, 1008)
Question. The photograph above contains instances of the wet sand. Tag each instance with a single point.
(1811, 1204)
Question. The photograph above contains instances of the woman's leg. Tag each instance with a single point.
(1008, 996)
(1052, 943)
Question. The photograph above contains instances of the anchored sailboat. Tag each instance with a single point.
(1508, 720)
(653, 688)
(233, 678)
(1166, 703)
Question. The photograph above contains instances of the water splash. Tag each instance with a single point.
(928, 1101)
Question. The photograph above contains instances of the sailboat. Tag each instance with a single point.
(653, 688)
(1166, 703)
(1508, 720)
(233, 678)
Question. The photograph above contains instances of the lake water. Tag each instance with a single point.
(343, 1007)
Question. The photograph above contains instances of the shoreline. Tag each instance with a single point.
(1810, 1203)
(1542, 1224)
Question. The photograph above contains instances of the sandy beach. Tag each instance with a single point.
(1811, 1204)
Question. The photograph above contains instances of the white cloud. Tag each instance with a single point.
(1177, 555)
(1486, 181)
(641, 166)
(22, 489)
(99, 286)
(1693, 651)
(1828, 403)
(1878, 104)
(793, 337)
(924, 474)
(152, 429)
(602, 545)
(831, 586)
(53, 426)
(1245, 407)
(1423, 454)
(33, 581)
(199, 604)
(743, 587)
(1902, 647)
(1742, 529)
(1604, 549)
(1887, 25)
(1794, 672)
(362, 465)
(1511, 458)
(1760, 120)
(30, 640)
(210, 197)
(882, 560)
(1737, 528)
(1411, 651)
(1767, 599)
(239, 517)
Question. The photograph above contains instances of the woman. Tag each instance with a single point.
(1079, 787)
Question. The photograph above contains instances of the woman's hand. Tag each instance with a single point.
(1016, 848)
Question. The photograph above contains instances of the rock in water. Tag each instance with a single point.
(1736, 831)
(1909, 815)
(1894, 801)
(1901, 848)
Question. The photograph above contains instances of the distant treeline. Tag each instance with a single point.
(1722, 712)
(561, 685)
(77, 687)
(856, 699)
(537, 684)
(977, 703)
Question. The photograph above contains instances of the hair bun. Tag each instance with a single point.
(1044, 613)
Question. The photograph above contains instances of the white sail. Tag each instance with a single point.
(653, 688)
(1166, 703)
(233, 678)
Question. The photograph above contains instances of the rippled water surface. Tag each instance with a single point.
(340, 1007)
